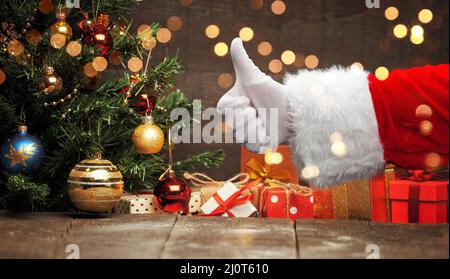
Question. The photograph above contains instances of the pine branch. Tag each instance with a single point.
(32, 195)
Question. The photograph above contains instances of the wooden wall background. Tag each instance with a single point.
(336, 31)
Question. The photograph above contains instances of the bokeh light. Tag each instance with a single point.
(357, 66)
(74, 48)
(225, 80)
(89, 70)
(174, 23)
(382, 73)
(256, 4)
(100, 63)
(310, 172)
(246, 34)
(425, 16)
(275, 66)
(424, 111)
(288, 57)
(212, 31)
(58, 40)
(311, 61)
(391, 13)
(273, 158)
(135, 64)
(221, 49)
(417, 40)
(265, 48)
(426, 127)
(400, 31)
(336, 137)
(2, 77)
(339, 149)
(164, 35)
(433, 160)
(278, 7)
(15, 47)
(417, 31)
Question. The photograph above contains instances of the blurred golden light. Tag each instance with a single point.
(74, 48)
(221, 49)
(89, 70)
(145, 31)
(265, 48)
(336, 137)
(278, 7)
(426, 128)
(417, 40)
(256, 4)
(164, 35)
(246, 34)
(186, 3)
(58, 40)
(212, 31)
(288, 57)
(100, 63)
(225, 80)
(149, 43)
(2, 77)
(273, 158)
(425, 16)
(400, 31)
(391, 13)
(339, 149)
(15, 47)
(382, 73)
(275, 66)
(174, 23)
(417, 31)
(357, 66)
(424, 111)
(310, 172)
(433, 160)
(135, 64)
(311, 61)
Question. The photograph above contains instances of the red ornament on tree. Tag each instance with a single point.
(172, 194)
(98, 33)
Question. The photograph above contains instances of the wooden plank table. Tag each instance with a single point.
(53, 235)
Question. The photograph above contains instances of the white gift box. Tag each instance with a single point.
(137, 204)
(143, 204)
(246, 209)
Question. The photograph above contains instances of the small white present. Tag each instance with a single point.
(229, 202)
(137, 204)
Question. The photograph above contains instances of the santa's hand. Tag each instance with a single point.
(254, 94)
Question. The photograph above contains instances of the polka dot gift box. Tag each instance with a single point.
(143, 204)
(287, 201)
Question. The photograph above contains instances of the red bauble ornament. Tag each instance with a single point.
(144, 104)
(98, 33)
(172, 194)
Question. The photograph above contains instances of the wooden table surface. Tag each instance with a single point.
(50, 235)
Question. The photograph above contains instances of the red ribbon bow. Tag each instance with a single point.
(419, 176)
(235, 200)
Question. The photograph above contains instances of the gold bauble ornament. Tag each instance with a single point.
(52, 83)
(148, 138)
(95, 185)
(61, 26)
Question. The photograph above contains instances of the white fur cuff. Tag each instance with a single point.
(335, 135)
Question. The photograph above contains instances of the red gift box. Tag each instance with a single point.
(418, 202)
(283, 202)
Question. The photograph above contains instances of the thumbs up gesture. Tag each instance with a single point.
(257, 103)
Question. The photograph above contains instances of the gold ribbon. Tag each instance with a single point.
(200, 180)
(264, 172)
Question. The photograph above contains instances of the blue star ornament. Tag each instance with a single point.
(22, 153)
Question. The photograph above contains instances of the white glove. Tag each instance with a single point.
(254, 90)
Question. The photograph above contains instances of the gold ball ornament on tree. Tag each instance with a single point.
(148, 138)
(15, 48)
(52, 83)
(61, 26)
(2, 77)
(95, 185)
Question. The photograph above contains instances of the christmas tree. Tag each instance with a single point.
(53, 81)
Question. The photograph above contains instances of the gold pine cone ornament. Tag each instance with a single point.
(148, 138)
(95, 185)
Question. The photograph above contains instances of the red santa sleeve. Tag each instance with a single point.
(346, 124)
(411, 107)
